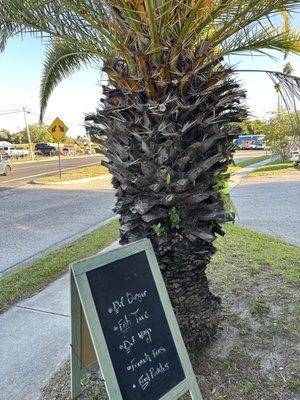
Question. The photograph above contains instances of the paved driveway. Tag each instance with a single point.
(270, 205)
(34, 219)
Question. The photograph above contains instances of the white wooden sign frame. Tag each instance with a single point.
(81, 296)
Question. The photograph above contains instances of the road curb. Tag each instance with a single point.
(72, 182)
(53, 159)
(236, 179)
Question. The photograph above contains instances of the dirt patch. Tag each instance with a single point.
(224, 343)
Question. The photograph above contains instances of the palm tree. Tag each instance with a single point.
(168, 118)
(277, 90)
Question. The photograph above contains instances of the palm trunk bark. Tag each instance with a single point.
(165, 156)
(197, 310)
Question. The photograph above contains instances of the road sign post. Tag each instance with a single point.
(59, 163)
(58, 130)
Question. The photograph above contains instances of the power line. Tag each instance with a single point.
(51, 119)
(29, 111)
(10, 112)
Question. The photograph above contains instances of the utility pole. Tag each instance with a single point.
(90, 144)
(28, 133)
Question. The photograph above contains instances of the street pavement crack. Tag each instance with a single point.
(42, 311)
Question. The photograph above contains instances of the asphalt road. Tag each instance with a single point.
(25, 172)
(271, 206)
(34, 219)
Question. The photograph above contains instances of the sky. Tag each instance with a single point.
(21, 68)
(20, 74)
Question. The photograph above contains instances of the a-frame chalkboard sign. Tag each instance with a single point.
(123, 322)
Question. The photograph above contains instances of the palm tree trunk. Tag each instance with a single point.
(197, 310)
(165, 156)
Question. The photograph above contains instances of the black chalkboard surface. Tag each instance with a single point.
(136, 331)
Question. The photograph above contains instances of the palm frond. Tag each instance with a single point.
(288, 86)
(257, 39)
(151, 38)
(62, 59)
(6, 31)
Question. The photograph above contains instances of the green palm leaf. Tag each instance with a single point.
(62, 59)
(262, 39)
(160, 31)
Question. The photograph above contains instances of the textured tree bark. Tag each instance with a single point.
(197, 310)
(167, 157)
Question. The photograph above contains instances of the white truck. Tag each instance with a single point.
(10, 150)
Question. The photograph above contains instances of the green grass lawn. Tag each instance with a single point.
(74, 174)
(232, 169)
(238, 166)
(36, 275)
(274, 168)
(254, 355)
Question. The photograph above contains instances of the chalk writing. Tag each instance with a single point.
(140, 316)
(127, 344)
(137, 363)
(145, 335)
(123, 325)
(157, 352)
(145, 379)
(128, 299)
(127, 320)
(137, 297)
(136, 330)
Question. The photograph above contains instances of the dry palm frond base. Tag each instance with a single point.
(256, 351)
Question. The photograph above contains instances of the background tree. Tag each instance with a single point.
(281, 133)
(253, 127)
(38, 134)
(68, 140)
(283, 94)
(167, 116)
(6, 135)
(278, 91)
(288, 69)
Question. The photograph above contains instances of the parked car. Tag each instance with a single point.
(257, 146)
(45, 149)
(68, 151)
(11, 151)
(296, 159)
(5, 167)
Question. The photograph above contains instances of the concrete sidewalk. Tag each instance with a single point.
(35, 340)
(35, 335)
(238, 176)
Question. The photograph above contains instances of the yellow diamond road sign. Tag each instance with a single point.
(57, 129)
